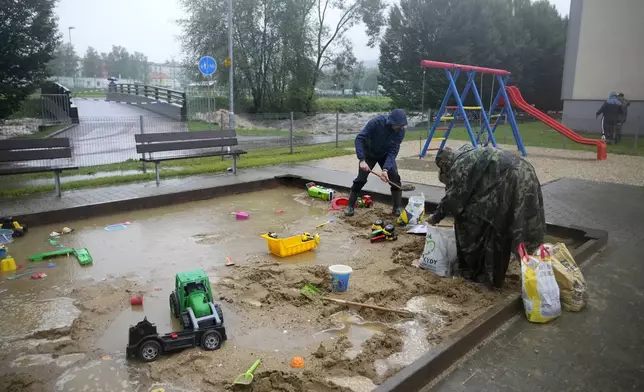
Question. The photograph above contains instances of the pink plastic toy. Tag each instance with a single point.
(240, 215)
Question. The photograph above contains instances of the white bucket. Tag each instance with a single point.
(340, 277)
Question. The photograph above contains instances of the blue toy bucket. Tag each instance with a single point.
(340, 277)
(6, 236)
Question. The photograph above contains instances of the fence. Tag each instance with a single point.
(110, 140)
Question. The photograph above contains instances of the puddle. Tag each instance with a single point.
(355, 384)
(354, 328)
(103, 375)
(27, 316)
(433, 308)
(47, 359)
(415, 344)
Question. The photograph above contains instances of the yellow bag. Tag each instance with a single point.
(572, 285)
(539, 289)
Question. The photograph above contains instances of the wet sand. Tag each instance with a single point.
(69, 330)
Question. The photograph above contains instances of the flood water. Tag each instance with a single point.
(150, 250)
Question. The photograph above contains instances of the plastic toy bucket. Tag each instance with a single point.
(340, 277)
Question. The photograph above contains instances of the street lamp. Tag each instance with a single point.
(231, 74)
(71, 54)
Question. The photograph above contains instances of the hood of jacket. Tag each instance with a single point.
(397, 117)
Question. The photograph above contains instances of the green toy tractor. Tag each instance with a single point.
(192, 302)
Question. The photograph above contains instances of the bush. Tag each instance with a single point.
(351, 104)
(31, 108)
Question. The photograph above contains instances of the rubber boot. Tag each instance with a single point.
(397, 203)
(350, 210)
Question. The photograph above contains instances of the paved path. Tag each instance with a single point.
(599, 349)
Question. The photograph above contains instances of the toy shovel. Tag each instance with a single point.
(247, 378)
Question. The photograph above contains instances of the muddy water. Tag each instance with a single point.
(155, 245)
(354, 328)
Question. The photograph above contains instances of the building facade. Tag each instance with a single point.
(604, 54)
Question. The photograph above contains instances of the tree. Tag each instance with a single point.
(92, 64)
(65, 61)
(343, 68)
(28, 33)
(516, 35)
(281, 46)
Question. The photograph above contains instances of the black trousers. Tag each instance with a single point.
(361, 180)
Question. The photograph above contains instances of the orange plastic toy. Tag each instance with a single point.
(297, 362)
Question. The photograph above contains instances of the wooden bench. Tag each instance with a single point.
(149, 143)
(14, 151)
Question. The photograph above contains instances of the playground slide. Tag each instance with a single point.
(517, 100)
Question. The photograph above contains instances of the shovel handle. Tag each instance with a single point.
(390, 183)
(255, 366)
(341, 301)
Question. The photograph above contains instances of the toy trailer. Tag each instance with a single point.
(146, 344)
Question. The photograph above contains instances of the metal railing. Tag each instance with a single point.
(57, 100)
(161, 94)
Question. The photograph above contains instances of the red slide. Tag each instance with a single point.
(517, 100)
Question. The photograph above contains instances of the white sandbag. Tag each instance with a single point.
(414, 213)
(439, 255)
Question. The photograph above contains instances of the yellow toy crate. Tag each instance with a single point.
(284, 247)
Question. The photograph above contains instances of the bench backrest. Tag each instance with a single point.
(34, 149)
(174, 141)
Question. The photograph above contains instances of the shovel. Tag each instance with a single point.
(404, 188)
(311, 292)
(247, 378)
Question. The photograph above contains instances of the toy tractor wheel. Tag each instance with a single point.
(220, 313)
(185, 321)
(211, 340)
(174, 305)
(149, 350)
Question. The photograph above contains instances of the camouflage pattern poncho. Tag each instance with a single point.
(496, 201)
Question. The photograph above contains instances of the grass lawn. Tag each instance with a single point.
(88, 94)
(198, 125)
(536, 134)
(180, 168)
(44, 132)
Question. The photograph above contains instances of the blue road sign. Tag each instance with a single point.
(207, 65)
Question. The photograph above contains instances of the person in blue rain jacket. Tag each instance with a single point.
(379, 142)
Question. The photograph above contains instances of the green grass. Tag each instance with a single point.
(43, 132)
(181, 168)
(536, 134)
(88, 94)
(353, 104)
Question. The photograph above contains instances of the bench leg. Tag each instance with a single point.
(156, 171)
(57, 183)
(234, 164)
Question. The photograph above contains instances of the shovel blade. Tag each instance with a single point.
(244, 379)
(309, 291)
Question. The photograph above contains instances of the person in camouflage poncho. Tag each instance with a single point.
(496, 201)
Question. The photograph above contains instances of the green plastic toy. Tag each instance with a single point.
(192, 300)
(320, 192)
(83, 256)
(55, 253)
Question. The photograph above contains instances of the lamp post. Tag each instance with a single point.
(231, 114)
(71, 54)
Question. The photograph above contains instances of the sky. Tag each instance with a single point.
(149, 27)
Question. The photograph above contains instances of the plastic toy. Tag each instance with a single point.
(320, 192)
(55, 253)
(283, 247)
(145, 342)
(247, 377)
(117, 226)
(6, 236)
(365, 202)
(7, 264)
(3, 252)
(340, 203)
(382, 232)
(9, 223)
(297, 362)
(240, 215)
(136, 300)
(83, 256)
(192, 302)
